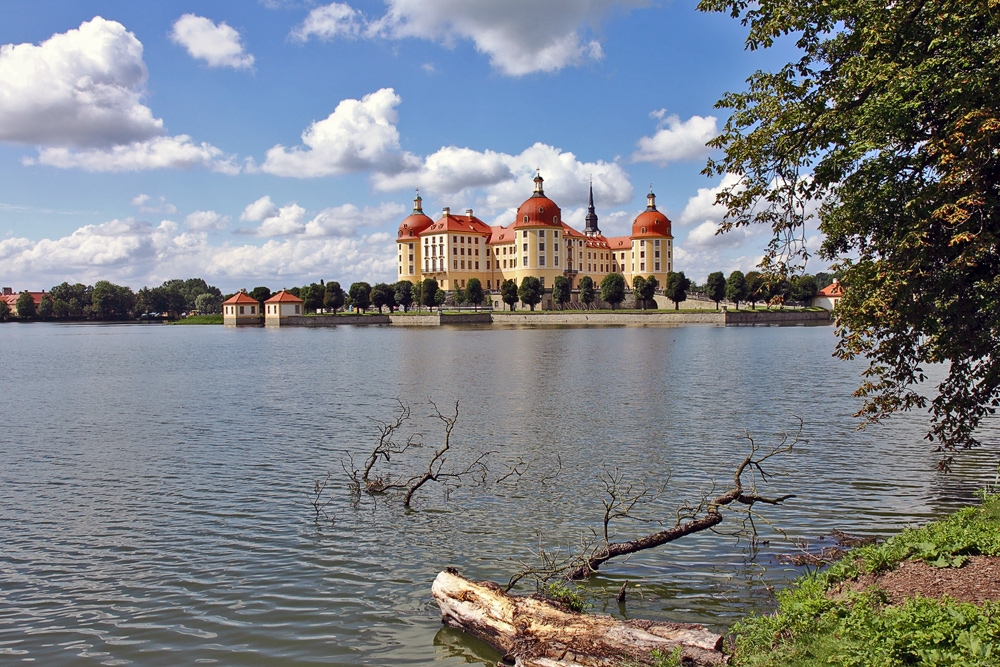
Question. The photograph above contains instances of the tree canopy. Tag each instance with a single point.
(889, 123)
(676, 288)
(383, 295)
(360, 294)
(508, 292)
(613, 289)
(647, 290)
(333, 296)
(587, 291)
(404, 294)
(26, 308)
(428, 292)
(474, 292)
(736, 288)
(715, 287)
(560, 291)
(530, 291)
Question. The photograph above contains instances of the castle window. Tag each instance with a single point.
(541, 260)
(525, 247)
(526, 219)
(411, 269)
(642, 266)
(555, 261)
(541, 247)
(524, 261)
(524, 233)
(477, 266)
(643, 230)
(455, 262)
(556, 247)
(657, 267)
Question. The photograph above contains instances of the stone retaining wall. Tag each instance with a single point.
(734, 317)
(595, 317)
(332, 320)
(609, 318)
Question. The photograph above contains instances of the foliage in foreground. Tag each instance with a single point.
(888, 122)
(861, 630)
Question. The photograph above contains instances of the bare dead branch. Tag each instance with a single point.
(317, 501)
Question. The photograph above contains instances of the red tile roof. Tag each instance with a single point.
(241, 297)
(284, 297)
(831, 290)
(458, 223)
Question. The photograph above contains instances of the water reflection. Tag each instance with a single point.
(155, 497)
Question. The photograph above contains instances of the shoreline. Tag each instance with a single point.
(591, 318)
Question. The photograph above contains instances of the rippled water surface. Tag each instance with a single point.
(155, 480)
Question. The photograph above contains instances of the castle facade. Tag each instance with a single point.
(457, 248)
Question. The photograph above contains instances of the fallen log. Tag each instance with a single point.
(534, 632)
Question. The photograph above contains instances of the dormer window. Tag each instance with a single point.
(643, 230)
(525, 218)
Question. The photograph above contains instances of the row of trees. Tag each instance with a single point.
(105, 300)
(754, 287)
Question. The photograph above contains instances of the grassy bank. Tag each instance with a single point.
(846, 614)
(199, 319)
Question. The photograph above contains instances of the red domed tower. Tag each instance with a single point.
(408, 242)
(651, 222)
(416, 222)
(652, 244)
(538, 210)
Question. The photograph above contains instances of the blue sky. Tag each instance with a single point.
(280, 142)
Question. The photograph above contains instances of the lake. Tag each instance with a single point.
(156, 479)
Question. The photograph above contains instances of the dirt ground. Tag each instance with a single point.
(977, 581)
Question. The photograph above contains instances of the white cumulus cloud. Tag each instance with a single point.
(259, 210)
(702, 206)
(330, 21)
(503, 181)
(347, 219)
(274, 221)
(83, 87)
(676, 140)
(218, 44)
(518, 36)
(137, 254)
(203, 221)
(358, 135)
(178, 152)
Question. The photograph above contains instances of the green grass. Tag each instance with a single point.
(862, 630)
(199, 319)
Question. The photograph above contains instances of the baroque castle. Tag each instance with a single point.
(537, 243)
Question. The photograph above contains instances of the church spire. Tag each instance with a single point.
(591, 228)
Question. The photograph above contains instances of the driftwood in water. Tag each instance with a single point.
(532, 632)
